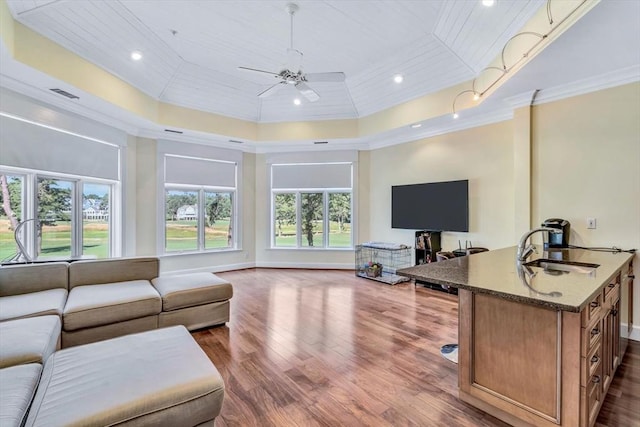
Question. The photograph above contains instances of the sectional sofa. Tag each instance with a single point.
(83, 333)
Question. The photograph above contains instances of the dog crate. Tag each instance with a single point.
(380, 261)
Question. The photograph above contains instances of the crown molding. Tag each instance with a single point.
(579, 87)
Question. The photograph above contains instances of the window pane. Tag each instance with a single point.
(311, 210)
(95, 220)
(10, 214)
(285, 220)
(218, 214)
(54, 212)
(340, 220)
(181, 225)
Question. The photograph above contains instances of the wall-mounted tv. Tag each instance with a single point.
(437, 206)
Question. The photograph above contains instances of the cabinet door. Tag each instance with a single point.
(616, 350)
(607, 351)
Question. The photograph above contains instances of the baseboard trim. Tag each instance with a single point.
(211, 269)
(312, 266)
(635, 331)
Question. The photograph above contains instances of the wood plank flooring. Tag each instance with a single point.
(325, 348)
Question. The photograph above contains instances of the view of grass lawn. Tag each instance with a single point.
(337, 239)
(180, 235)
(183, 235)
(56, 240)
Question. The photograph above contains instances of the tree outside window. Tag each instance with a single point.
(312, 208)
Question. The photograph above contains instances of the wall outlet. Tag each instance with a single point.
(591, 223)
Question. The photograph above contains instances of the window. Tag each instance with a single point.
(199, 204)
(64, 205)
(64, 217)
(312, 205)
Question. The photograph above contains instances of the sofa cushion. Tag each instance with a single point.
(96, 272)
(188, 290)
(154, 378)
(30, 340)
(34, 304)
(96, 305)
(27, 278)
(17, 387)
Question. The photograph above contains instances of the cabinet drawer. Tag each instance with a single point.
(591, 363)
(591, 337)
(615, 282)
(592, 312)
(613, 295)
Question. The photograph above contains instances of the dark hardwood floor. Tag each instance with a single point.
(325, 348)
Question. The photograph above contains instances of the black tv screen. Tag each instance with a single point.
(437, 206)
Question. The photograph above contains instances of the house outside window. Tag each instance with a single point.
(200, 204)
(312, 205)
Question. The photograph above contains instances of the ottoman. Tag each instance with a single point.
(155, 378)
(195, 300)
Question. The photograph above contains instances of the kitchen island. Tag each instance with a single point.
(540, 341)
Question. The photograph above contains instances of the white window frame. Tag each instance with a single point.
(30, 210)
(325, 218)
(201, 190)
(197, 152)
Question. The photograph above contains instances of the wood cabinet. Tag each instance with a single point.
(534, 366)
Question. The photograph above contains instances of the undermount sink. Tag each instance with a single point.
(554, 265)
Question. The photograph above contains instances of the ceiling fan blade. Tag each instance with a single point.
(307, 92)
(294, 60)
(270, 91)
(325, 77)
(259, 71)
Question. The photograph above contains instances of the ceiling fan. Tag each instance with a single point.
(293, 74)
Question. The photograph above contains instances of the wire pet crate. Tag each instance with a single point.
(380, 261)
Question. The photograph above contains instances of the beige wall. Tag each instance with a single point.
(142, 205)
(586, 163)
(483, 155)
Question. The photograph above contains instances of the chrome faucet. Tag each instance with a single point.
(524, 252)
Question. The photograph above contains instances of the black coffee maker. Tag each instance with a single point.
(557, 240)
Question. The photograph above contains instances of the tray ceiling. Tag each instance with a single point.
(192, 48)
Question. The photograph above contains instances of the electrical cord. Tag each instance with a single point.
(612, 249)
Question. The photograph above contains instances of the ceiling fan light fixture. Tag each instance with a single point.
(136, 55)
(398, 78)
(297, 101)
(476, 96)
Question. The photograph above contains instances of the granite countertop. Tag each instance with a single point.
(497, 273)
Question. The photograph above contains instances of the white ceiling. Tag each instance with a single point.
(434, 44)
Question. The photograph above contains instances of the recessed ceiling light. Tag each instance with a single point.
(416, 125)
(488, 3)
(398, 78)
(297, 101)
(136, 55)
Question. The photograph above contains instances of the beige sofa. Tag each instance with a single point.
(44, 307)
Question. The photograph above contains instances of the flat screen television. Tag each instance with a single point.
(436, 206)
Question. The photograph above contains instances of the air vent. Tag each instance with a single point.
(320, 142)
(235, 141)
(64, 93)
(173, 131)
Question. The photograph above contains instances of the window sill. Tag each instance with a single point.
(312, 249)
(206, 252)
